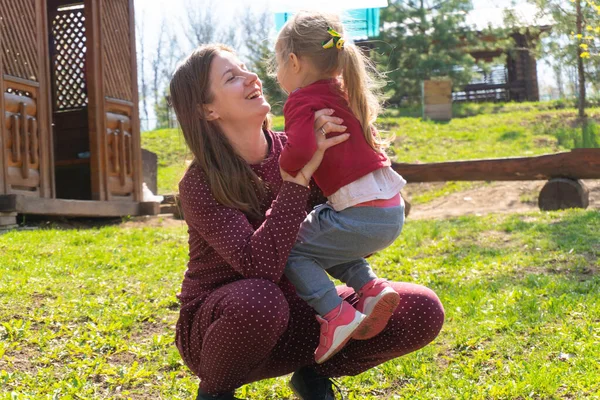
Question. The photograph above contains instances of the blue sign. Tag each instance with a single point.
(360, 23)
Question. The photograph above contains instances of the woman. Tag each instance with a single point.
(240, 319)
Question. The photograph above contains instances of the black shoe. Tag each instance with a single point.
(205, 396)
(308, 385)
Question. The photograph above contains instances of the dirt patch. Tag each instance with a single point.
(497, 197)
(579, 274)
(149, 329)
(483, 198)
(154, 221)
(124, 358)
(21, 360)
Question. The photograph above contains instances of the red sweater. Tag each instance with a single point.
(343, 163)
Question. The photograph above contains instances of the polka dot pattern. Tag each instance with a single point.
(240, 319)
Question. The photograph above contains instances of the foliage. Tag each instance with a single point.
(565, 45)
(260, 55)
(165, 114)
(90, 313)
(163, 62)
(574, 137)
(592, 30)
(426, 40)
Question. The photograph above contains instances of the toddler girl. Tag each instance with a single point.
(364, 212)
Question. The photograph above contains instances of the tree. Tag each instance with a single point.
(592, 29)
(569, 44)
(424, 39)
(163, 63)
(202, 28)
(258, 29)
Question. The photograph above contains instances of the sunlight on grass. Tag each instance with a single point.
(508, 130)
(91, 313)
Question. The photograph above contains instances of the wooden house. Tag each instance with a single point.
(71, 136)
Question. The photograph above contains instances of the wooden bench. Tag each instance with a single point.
(563, 171)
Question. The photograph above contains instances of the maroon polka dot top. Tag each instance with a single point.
(225, 244)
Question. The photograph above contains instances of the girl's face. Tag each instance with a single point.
(284, 75)
(237, 92)
(289, 73)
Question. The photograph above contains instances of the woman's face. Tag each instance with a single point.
(237, 92)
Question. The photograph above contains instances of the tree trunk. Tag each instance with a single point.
(580, 68)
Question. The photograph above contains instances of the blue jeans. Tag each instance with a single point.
(338, 242)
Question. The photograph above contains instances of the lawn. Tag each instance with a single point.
(505, 130)
(89, 314)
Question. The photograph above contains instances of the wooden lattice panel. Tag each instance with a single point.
(69, 52)
(117, 49)
(18, 39)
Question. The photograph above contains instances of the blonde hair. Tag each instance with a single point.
(304, 35)
(231, 180)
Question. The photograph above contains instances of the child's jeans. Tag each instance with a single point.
(337, 242)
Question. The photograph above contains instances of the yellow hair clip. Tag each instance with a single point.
(336, 40)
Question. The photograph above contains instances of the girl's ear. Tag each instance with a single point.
(295, 62)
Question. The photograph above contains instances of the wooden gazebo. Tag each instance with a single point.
(71, 136)
(517, 80)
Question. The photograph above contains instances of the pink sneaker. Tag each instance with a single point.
(337, 327)
(378, 301)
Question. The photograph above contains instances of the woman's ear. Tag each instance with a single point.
(207, 112)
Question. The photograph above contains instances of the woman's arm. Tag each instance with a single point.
(260, 253)
(324, 124)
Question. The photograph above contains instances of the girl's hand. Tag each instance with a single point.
(324, 123)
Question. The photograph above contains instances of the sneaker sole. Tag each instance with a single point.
(334, 349)
(377, 320)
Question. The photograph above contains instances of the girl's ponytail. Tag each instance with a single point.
(308, 34)
(361, 89)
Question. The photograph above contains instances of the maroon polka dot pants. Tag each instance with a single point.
(253, 329)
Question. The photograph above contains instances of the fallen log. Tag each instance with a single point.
(574, 164)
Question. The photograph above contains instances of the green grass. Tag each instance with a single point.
(506, 130)
(462, 110)
(90, 314)
(170, 147)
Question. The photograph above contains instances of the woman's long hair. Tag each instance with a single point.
(232, 182)
(304, 35)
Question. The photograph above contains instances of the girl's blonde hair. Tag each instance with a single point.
(232, 182)
(304, 35)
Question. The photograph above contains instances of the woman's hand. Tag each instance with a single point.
(325, 123)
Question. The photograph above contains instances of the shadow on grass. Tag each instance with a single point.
(26, 222)
(574, 231)
(510, 135)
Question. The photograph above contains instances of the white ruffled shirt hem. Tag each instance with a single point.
(383, 183)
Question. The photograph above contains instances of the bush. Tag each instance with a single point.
(578, 137)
